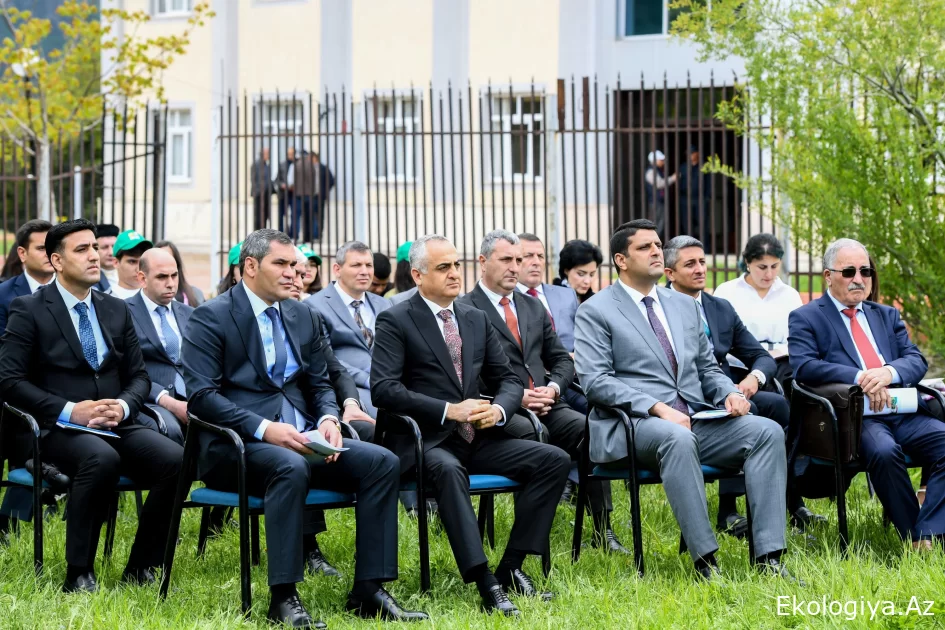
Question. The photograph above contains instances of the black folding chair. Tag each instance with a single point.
(250, 507)
(636, 477)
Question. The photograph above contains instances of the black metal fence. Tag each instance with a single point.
(569, 161)
(111, 173)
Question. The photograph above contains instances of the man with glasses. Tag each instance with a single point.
(843, 338)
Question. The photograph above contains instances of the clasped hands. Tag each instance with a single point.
(98, 414)
(477, 412)
(874, 384)
(735, 405)
(539, 400)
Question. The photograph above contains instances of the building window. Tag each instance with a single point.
(180, 135)
(647, 17)
(392, 141)
(171, 7)
(279, 127)
(517, 138)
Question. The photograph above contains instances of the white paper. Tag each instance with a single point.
(318, 443)
(902, 400)
(711, 414)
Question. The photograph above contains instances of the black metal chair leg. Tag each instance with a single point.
(110, 524)
(204, 531)
(583, 481)
(38, 523)
(254, 523)
(636, 522)
(490, 520)
(139, 502)
(751, 535)
(841, 507)
(424, 536)
(481, 518)
(546, 563)
(683, 547)
(246, 592)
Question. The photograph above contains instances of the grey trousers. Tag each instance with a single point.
(751, 443)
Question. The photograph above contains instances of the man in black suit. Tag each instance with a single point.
(107, 235)
(160, 323)
(261, 188)
(71, 354)
(535, 353)
(684, 257)
(253, 363)
(434, 378)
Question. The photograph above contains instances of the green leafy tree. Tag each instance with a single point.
(853, 92)
(61, 94)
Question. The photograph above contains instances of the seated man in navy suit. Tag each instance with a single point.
(253, 363)
(842, 338)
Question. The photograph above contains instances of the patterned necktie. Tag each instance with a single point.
(455, 346)
(512, 322)
(862, 341)
(86, 336)
(365, 331)
(172, 347)
(534, 293)
(278, 368)
(679, 404)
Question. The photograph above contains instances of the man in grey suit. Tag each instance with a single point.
(641, 347)
(160, 322)
(348, 311)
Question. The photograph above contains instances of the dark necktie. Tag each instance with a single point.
(679, 404)
(86, 336)
(365, 331)
(512, 322)
(534, 293)
(862, 341)
(455, 346)
(278, 369)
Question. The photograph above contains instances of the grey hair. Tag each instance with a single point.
(258, 244)
(675, 245)
(492, 239)
(418, 251)
(350, 246)
(830, 256)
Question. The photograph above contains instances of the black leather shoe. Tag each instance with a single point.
(138, 577)
(291, 611)
(57, 481)
(802, 518)
(316, 563)
(84, 583)
(734, 525)
(709, 571)
(382, 604)
(774, 568)
(608, 542)
(518, 582)
(498, 600)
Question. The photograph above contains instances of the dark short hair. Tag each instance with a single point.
(107, 229)
(622, 235)
(258, 244)
(381, 265)
(527, 236)
(759, 246)
(576, 253)
(60, 231)
(137, 250)
(28, 229)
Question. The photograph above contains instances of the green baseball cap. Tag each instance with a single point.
(129, 239)
(403, 252)
(233, 258)
(311, 255)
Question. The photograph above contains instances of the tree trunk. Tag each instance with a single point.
(43, 184)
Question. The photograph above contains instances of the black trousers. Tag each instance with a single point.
(541, 468)
(565, 429)
(769, 405)
(283, 478)
(94, 464)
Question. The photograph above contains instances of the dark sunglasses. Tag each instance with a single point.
(850, 272)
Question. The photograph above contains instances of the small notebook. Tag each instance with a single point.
(84, 429)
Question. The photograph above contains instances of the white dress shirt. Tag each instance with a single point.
(637, 298)
(367, 313)
(100, 346)
(865, 325)
(495, 298)
(291, 366)
(765, 317)
(34, 284)
(436, 308)
(540, 290)
(121, 293)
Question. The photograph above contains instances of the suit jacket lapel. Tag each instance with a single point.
(63, 319)
(182, 315)
(338, 306)
(836, 320)
(242, 313)
(632, 313)
(21, 286)
(484, 304)
(140, 312)
(289, 324)
(104, 323)
(712, 318)
(878, 328)
(429, 330)
(522, 321)
(467, 330)
(675, 321)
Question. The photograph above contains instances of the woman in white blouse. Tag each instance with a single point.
(759, 296)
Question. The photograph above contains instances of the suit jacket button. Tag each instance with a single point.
(526, 367)
(96, 376)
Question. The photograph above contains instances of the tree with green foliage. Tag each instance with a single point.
(60, 95)
(853, 94)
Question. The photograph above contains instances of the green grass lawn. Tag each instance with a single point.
(598, 592)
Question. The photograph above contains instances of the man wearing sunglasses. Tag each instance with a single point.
(843, 338)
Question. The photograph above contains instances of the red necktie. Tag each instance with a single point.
(534, 293)
(512, 322)
(863, 345)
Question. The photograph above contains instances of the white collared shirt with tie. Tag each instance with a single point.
(159, 328)
(865, 325)
(637, 298)
(34, 285)
(367, 313)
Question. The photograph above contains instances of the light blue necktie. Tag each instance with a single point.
(172, 347)
(86, 336)
(278, 369)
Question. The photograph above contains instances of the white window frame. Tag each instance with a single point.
(170, 13)
(188, 134)
(407, 158)
(622, 22)
(502, 124)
